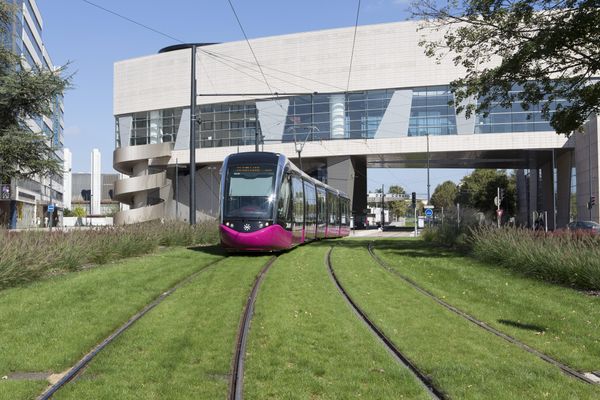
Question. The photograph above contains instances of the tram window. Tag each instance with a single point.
(285, 197)
(298, 196)
(322, 207)
(249, 191)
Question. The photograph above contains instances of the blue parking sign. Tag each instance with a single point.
(50, 207)
(428, 212)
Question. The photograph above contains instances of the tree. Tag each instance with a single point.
(398, 208)
(25, 91)
(479, 189)
(548, 48)
(444, 195)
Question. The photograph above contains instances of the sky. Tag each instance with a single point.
(91, 40)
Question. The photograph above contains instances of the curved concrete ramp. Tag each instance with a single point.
(136, 161)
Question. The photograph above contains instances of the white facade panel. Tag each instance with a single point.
(302, 62)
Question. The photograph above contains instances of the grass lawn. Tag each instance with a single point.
(306, 343)
(463, 360)
(182, 349)
(50, 324)
(558, 321)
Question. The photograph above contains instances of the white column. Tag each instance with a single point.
(337, 108)
(67, 185)
(96, 184)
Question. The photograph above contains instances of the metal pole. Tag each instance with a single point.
(51, 214)
(193, 140)
(554, 190)
(498, 206)
(458, 214)
(546, 221)
(416, 228)
(428, 185)
(590, 173)
(176, 189)
(382, 208)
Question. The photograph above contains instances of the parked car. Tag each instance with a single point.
(584, 226)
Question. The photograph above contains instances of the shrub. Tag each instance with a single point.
(30, 255)
(569, 258)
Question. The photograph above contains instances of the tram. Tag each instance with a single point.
(268, 204)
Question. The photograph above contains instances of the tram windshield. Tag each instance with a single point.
(249, 191)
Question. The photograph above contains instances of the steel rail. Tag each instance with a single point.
(425, 381)
(236, 384)
(564, 368)
(75, 369)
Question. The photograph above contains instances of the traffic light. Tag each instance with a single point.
(414, 199)
(501, 195)
(591, 202)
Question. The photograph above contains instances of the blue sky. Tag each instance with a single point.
(92, 40)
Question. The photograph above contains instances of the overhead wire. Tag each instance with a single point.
(353, 45)
(249, 45)
(132, 21)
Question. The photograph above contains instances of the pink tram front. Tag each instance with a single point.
(267, 204)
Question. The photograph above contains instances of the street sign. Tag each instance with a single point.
(50, 207)
(496, 200)
(428, 212)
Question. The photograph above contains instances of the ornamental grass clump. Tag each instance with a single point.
(31, 255)
(565, 257)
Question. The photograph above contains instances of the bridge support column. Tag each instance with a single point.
(349, 174)
(563, 195)
(586, 163)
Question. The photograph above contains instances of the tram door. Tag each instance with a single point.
(298, 209)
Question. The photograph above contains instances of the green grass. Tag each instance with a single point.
(463, 360)
(182, 349)
(558, 321)
(306, 343)
(49, 325)
(33, 255)
(12, 390)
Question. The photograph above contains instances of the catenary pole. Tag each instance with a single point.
(193, 140)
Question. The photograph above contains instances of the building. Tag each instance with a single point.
(25, 202)
(81, 194)
(391, 111)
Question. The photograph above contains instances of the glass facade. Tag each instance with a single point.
(151, 127)
(354, 115)
(232, 124)
(430, 113)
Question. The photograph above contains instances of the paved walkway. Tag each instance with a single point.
(377, 233)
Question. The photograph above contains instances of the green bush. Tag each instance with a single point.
(30, 255)
(569, 258)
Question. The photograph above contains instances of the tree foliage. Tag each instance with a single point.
(479, 189)
(444, 195)
(548, 48)
(398, 208)
(25, 92)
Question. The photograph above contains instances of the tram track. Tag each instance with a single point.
(564, 368)
(236, 384)
(78, 367)
(433, 391)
